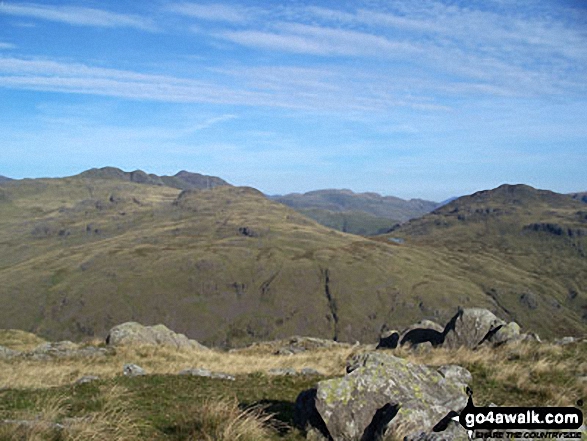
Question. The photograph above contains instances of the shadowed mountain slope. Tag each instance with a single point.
(4, 179)
(357, 213)
(526, 248)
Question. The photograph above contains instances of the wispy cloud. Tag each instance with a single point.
(212, 12)
(279, 87)
(78, 16)
(6, 46)
(319, 40)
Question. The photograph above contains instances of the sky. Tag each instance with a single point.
(416, 99)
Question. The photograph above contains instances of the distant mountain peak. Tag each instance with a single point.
(5, 179)
(182, 180)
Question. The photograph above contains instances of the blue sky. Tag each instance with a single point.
(426, 99)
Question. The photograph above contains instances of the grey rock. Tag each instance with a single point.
(132, 333)
(86, 379)
(65, 349)
(531, 337)
(6, 353)
(565, 341)
(422, 332)
(422, 348)
(505, 334)
(455, 373)
(200, 372)
(133, 370)
(282, 372)
(381, 395)
(289, 350)
(309, 371)
(469, 327)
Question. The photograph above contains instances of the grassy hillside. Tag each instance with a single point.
(354, 222)
(227, 266)
(526, 248)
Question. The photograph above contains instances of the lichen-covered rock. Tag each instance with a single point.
(455, 373)
(381, 395)
(469, 327)
(505, 334)
(132, 333)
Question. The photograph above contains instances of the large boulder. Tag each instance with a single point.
(505, 334)
(425, 331)
(470, 327)
(381, 395)
(132, 333)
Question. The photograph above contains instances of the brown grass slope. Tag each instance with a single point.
(525, 248)
(228, 266)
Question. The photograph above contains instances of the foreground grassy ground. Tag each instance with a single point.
(40, 400)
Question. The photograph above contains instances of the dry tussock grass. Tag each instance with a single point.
(47, 420)
(224, 420)
(543, 370)
(29, 373)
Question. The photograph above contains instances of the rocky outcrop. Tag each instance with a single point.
(292, 345)
(382, 395)
(132, 333)
(422, 332)
(469, 327)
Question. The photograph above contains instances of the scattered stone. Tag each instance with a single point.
(65, 349)
(133, 370)
(309, 371)
(132, 333)
(200, 372)
(565, 341)
(380, 395)
(284, 372)
(87, 379)
(530, 336)
(290, 350)
(6, 353)
(469, 327)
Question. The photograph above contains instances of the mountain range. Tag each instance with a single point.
(227, 265)
(357, 213)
